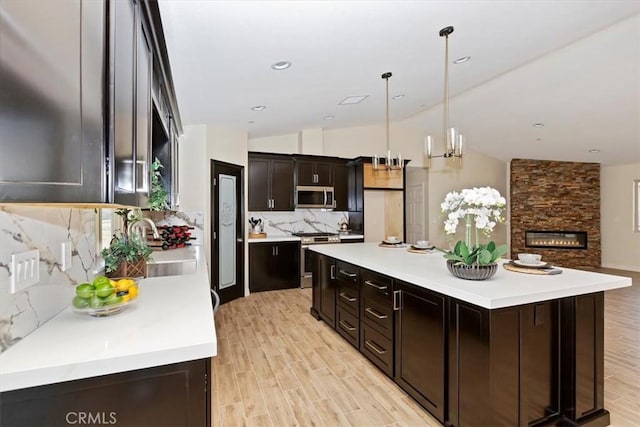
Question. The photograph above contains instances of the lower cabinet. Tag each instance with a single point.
(172, 395)
(274, 265)
(420, 346)
(324, 288)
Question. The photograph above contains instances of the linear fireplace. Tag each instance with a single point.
(556, 239)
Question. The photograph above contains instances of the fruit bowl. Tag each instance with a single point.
(105, 296)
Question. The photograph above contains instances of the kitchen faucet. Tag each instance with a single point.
(140, 228)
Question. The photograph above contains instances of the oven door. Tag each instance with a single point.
(306, 276)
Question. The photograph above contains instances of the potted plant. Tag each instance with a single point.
(128, 252)
(158, 194)
(481, 209)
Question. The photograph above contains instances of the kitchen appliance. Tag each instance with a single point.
(314, 197)
(307, 239)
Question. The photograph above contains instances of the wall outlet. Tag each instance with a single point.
(25, 270)
(66, 258)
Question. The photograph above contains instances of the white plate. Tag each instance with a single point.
(422, 248)
(529, 264)
(392, 242)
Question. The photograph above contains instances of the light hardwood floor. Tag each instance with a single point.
(278, 366)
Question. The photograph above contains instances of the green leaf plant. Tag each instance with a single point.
(481, 254)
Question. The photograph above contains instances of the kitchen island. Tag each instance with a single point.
(147, 365)
(517, 349)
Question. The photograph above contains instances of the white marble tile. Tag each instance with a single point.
(305, 220)
(24, 228)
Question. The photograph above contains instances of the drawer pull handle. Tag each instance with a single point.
(347, 297)
(346, 273)
(347, 326)
(333, 272)
(375, 313)
(373, 285)
(374, 347)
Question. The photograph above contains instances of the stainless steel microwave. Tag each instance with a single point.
(314, 197)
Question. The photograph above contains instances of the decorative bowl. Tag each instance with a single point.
(530, 258)
(472, 272)
(105, 297)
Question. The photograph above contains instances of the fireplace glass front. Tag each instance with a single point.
(556, 239)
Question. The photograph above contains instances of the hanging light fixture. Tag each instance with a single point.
(453, 140)
(389, 163)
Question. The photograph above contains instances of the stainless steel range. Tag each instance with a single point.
(307, 239)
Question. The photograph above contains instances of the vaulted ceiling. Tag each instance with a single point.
(572, 65)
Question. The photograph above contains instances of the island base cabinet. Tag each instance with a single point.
(420, 347)
(377, 348)
(172, 395)
(348, 326)
(324, 289)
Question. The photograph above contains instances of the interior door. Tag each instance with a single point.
(415, 213)
(227, 230)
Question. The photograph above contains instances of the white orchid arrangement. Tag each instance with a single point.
(484, 203)
(481, 209)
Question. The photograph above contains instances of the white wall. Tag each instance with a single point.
(620, 244)
(198, 145)
(286, 144)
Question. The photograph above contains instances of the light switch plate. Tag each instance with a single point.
(25, 270)
(66, 259)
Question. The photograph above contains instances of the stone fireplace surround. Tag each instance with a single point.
(556, 196)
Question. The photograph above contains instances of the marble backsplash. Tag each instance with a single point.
(25, 228)
(305, 220)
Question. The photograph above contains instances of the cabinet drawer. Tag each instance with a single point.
(348, 326)
(347, 272)
(377, 313)
(377, 348)
(349, 297)
(376, 284)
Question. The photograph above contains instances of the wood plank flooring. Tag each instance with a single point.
(278, 366)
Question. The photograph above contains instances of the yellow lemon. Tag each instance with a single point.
(125, 298)
(123, 284)
(133, 292)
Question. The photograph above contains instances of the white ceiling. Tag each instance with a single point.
(573, 65)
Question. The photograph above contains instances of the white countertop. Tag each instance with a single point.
(505, 289)
(275, 238)
(290, 238)
(171, 322)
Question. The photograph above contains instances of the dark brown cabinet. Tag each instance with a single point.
(341, 187)
(78, 105)
(420, 346)
(270, 182)
(274, 266)
(172, 395)
(52, 101)
(314, 173)
(131, 63)
(324, 286)
(348, 302)
(356, 188)
(376, 320)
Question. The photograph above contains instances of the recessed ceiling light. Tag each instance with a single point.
(538, 139)
(349, 100)
(259, 107)
(329, 117)
(594, 150)
(462, 60)
(400, 96)
(281, 65)
(251, 122)
(538, 125)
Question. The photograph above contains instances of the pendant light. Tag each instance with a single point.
(388, 163)
(453, 140)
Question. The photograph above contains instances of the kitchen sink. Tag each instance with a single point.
(171, 268)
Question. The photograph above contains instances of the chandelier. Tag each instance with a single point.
(453, 139)
(387, 163)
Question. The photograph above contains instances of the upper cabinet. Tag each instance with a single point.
(76, 106)
(314, 173)
(51, 101)
(270, 182)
